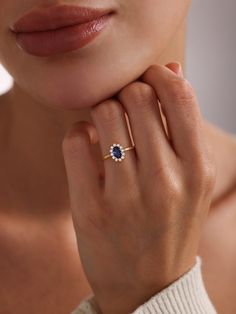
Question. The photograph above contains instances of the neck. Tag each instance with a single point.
(35, 169)
(34, 155)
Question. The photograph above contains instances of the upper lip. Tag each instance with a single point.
(54, 17)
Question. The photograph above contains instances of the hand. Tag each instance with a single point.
(139, 231)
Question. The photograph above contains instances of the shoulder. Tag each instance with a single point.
(223, 144)
(217, 132)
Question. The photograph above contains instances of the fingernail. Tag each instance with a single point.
(176, 68)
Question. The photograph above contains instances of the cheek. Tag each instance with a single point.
(133, 40)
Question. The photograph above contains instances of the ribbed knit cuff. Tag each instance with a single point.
(186, 295)
(87, 306)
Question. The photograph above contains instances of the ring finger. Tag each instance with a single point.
(153, 146)
(111, 123)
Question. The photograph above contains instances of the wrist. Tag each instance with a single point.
(127, 298)
(187, 294)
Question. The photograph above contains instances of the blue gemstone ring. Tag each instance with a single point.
(117, 152)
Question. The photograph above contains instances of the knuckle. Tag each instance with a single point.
(175, 190)
(109, 110)
(208, 176)
(173, 195)
(181, 90)
(204, 176)
(138, 92)
(171, 186)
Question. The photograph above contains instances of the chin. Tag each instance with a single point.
(66, 94)
(71, 96)
(70, 90)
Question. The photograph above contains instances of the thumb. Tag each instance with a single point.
(81, 168)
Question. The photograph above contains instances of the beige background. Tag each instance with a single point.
(210, 58)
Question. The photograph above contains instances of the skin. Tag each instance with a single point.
(162, 212)
(53, 94)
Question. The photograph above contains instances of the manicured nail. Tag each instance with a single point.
(176, 68)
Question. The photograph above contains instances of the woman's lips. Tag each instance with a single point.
(47, 43)
(58, 29)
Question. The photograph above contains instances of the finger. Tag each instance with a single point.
(175, 67)
(110, 122)
(92, 132)
(81, 169)
(181, 109)
(141, 104)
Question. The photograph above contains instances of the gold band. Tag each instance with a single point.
(125, 149)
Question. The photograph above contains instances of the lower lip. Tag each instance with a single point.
(51, 42)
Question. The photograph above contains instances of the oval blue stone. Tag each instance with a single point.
(116, 151)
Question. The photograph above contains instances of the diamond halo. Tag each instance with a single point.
(117, 152)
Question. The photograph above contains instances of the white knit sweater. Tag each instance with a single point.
(187, 295)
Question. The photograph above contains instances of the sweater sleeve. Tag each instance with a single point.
(186, 295)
